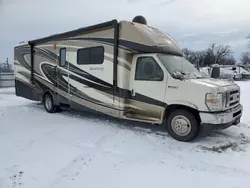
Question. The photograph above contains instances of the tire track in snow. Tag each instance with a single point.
(81, 162)
(169, 156)
(216, 169)
(100, 142)
(184, 163)
(225, 169)
(180, 161)
(73, 169)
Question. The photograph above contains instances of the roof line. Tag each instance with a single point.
(72, 33)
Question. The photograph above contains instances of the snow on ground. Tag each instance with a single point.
(73, 149)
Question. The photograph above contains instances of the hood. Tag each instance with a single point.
(211, 82)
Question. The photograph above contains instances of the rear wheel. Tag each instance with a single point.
(49, 104)
(182, 125)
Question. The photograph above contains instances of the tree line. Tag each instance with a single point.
(245, 56)
(216, 54)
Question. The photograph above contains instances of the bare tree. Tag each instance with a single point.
(222, 52)
(195, 57)
(214, 54)
(188, 54)
(217, 52)
(200, 57)
(228, 60)
(245, 58)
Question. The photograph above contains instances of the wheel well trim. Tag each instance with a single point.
(188, 106)
(52, 95)
(183, 103)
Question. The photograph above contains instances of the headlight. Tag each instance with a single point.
(216, 102)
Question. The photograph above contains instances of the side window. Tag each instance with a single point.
(148, 69)
(62, 61)
(93, 55)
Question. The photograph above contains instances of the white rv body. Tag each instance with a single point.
(125, 70)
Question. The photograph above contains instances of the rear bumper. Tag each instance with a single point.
(222, 119)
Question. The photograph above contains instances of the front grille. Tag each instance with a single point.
(233, 103)
(233, 98)
(234, 92)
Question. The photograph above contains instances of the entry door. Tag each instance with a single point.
(148, 87)
(63, 75)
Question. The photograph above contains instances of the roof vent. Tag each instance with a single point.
(140, 19)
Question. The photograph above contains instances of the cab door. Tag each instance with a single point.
(148, 87)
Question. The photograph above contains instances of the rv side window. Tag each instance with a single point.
(148, 69)
(93, 55)
(62, 61)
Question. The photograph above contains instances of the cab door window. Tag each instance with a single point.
(147, 69)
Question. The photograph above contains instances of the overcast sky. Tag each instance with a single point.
(193, 23)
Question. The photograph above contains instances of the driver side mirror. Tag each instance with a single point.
(215, 72)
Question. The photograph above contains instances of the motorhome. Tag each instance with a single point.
(127, 70)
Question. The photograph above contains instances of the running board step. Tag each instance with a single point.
(141, 118)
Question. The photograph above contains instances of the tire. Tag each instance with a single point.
(182, 125)
(49, 104)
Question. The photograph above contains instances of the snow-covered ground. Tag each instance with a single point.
(73, 149)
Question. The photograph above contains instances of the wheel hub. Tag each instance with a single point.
(48, 103)
(181, 125)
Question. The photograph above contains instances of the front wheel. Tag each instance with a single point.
(182, 125)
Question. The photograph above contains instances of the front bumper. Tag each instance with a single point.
(222, 119)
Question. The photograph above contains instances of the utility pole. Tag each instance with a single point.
(198, 65)
(7, 63)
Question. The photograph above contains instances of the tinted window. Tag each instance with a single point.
(148, 69)
(62, 61)
(94, 55)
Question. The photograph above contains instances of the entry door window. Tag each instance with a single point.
(147, 69)
(62, 61)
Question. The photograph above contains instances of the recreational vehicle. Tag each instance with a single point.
(127, 70)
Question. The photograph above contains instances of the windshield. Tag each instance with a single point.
(178, 66)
